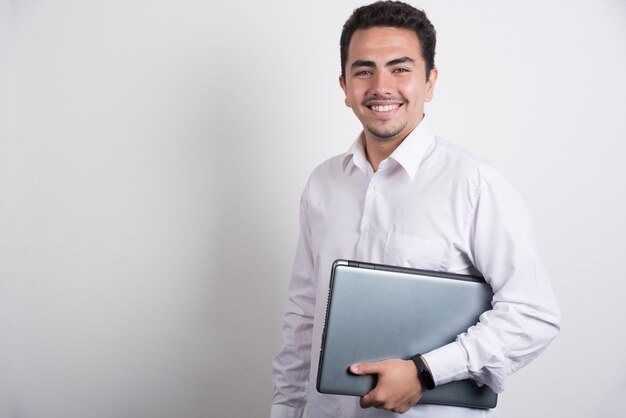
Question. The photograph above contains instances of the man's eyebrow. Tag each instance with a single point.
(372, 64)
(400, 60)
(363, 63)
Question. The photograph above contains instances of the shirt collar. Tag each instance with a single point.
(356, 156)
(408, 155)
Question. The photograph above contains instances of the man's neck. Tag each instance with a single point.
(378, 150)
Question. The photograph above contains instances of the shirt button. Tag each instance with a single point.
(367, 227)
(376, 187)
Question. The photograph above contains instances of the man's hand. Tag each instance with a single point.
(398, 387)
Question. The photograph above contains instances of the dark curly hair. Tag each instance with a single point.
(394, 14)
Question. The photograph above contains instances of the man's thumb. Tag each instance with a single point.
(364, 368)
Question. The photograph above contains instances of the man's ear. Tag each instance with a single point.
(342, 84)
(430, 85)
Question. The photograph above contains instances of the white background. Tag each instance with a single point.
(152, 154)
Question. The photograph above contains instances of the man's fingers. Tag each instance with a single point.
(370, 400)
(397, 387)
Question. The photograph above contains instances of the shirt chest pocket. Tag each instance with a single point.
(411, 251)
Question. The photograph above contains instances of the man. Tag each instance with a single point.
(405, 197)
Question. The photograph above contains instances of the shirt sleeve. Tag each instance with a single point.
(290, 373)
(525, 315)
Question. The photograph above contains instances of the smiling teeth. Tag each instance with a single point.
(385, 108)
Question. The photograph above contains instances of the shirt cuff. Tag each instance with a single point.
(284, 411)
(447, 363)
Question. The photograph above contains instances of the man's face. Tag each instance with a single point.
(385, 81)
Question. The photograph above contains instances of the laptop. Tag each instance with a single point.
(377, 312)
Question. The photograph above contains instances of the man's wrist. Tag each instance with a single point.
(423, 372)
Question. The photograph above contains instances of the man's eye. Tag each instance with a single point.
(401, 70)
(364, 73)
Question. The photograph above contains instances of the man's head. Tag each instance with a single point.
(388, 69)
(393, 14)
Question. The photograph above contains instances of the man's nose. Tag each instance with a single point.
(382, 83)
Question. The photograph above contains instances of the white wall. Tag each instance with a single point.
(152, 154)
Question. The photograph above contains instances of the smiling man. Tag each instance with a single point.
(403, 196)
(386, 85)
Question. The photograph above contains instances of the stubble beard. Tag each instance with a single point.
(386, 134)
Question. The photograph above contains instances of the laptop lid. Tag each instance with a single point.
(377, 312)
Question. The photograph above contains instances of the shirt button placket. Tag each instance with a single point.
(367, 228)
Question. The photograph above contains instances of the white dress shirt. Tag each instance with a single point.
(430, 205)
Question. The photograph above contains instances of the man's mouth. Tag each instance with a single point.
(384, 108)
(383, 105)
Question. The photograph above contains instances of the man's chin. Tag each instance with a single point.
(385, 134)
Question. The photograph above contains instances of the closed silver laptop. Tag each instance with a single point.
(377, 312)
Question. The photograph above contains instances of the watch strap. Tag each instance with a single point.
(423, 372)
